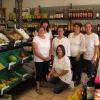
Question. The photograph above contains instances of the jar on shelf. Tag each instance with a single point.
(98, 28)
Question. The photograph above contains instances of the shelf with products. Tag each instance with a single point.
(62, 14)
(12, 57)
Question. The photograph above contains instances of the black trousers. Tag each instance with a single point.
(42, 69)
(76, 68)
(90, 68)
(59, 85)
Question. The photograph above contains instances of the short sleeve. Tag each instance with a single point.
(68, 48)
(51, 35)
(96, 41)
(70, 35)
(66, 64)
(35, 39)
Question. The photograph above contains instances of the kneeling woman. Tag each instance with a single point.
(60, 74)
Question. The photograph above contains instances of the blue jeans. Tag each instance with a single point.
(59, 85)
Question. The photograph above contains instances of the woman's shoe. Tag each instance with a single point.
(39, 91)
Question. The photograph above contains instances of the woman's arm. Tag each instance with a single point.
(95, 54)
(63, 72)
(82, 47)
(50, 74)
(37, 53)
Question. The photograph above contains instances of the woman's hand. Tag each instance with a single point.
(55, 75)
(47, 58)
(77, 57)
(93, 60)
(48, 77)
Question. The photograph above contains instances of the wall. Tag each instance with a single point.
(10, 4)
(58, 2)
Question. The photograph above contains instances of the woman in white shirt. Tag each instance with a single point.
(41, 50)
(61, 39)
(92, 44)
(77, 45)
(60, 73)
(46, 25)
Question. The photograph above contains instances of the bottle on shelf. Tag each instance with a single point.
(97, 13)
(81, 13)
(77, 15)
(69, 13)
(74, 13)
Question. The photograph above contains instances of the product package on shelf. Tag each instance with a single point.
(77, 95)
(89, 88)
(23, 33)
(1, 66)
(14, 36)
(97, 94)
(3, 39)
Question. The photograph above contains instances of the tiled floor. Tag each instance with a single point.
(47, 94)
(26, 91)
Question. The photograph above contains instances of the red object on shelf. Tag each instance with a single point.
(22, 54)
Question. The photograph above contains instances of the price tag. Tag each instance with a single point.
(25, 75)
(11, 65)
(17, 43)
(24, 40)
(2, 90)
(25, 58)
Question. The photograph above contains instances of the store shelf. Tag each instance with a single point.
(2, 23)
(84, 18)
(2, 18)
(8, 80)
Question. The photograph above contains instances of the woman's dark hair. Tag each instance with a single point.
(40, 27)
(45, 21)
(60, 26)
(62, 48)
(79, 24)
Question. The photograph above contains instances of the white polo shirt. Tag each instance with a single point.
(64, 41)
(91, 41)
(77, 43)
(43, 47)
(63, 64)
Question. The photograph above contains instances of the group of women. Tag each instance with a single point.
(67, 53)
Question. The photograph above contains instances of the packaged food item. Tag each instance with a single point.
(23, 33)
(1, 66)
(15, 36)
(3, 39)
